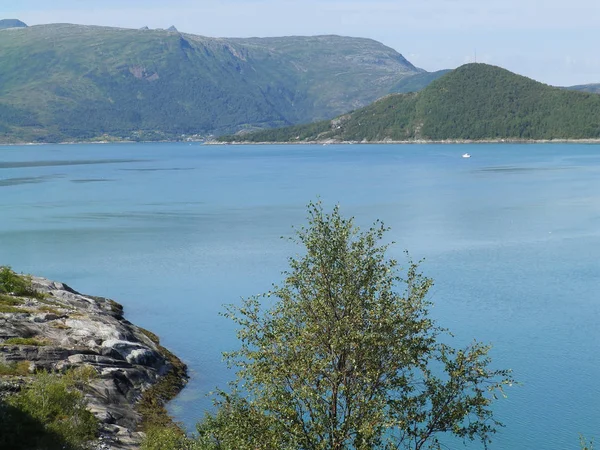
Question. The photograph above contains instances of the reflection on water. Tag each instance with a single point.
(154, 169)
(511, 237)
(78, 162)
(27, 180)
(91, 180)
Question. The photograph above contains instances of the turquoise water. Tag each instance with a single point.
(173, 231)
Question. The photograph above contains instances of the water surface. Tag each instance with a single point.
(174, 231)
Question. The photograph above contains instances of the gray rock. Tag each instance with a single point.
(132, 352)
(87, 331)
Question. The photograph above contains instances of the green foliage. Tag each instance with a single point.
(297, 133)
(62, 82)
(24, 341)
(340, 360)
(80, 376)
(240, 425)
(479, 101)
(473, 102)
(168, 438)
(10, 309)
(48, 414)
(48, 309)
(9, 300)
(15, 284)
(417, 82)
(585, 444)
(12, 283)
(15, 368)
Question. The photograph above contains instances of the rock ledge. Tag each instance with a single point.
(72, 330)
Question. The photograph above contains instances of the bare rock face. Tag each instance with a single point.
(66, 330)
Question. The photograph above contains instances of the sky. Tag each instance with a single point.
(553, 41)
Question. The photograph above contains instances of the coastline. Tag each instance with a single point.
(124, 141)
(327, 142)
(417, 142)
(56, 329)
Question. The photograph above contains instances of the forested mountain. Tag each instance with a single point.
(415, 83)
(69, 82)
(475, 101)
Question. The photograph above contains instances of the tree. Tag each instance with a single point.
(585, 444)
(341, 360)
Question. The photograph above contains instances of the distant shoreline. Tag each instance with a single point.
(330, 142)
(420, 141)
(94, 142)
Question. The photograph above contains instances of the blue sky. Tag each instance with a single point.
(553, 41)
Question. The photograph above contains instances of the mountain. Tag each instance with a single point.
(11, 23)
(475, 101)
(69, 82)
(415, 83)
(594, 88)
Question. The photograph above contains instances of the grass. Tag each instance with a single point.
(10, 309)
(77, 315)
(24, 341)
(45, 301)
(50, 310)
(9, 300)
(8, 304)
(20, 368)
(149, 334)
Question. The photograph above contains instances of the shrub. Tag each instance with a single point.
(168, 438)
(48, 414)
(12, 283)
(14, 368)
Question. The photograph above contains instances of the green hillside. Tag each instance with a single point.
(62, 82)
(473, 102)
(418, 82)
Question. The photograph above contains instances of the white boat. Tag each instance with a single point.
(466, 155)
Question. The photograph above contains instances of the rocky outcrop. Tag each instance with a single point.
(64, 329)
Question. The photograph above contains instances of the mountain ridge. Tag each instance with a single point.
(591, 87)
(73, 82)
(476, 102)
(11, 23)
